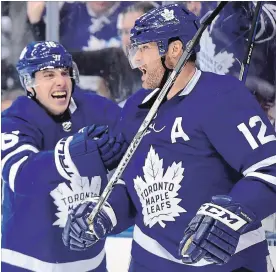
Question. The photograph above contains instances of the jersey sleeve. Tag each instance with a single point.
(123, 207)
(242, 134)
(25, 168)
(99, 110)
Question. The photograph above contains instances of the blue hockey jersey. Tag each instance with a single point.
(211, 139)
(36, 200)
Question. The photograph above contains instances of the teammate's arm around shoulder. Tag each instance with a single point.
(30, 170)
(116, 215)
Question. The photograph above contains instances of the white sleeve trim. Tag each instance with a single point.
(13, 171)
(18, 150)
(266, 177)
(264, 163)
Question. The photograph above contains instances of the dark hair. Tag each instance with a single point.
(144, 7)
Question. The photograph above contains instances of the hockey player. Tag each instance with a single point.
(204, 174)
(48, 167)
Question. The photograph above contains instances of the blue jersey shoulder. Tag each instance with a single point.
(97, 109)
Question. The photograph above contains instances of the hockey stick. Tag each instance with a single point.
(143, 128)
(251, 43)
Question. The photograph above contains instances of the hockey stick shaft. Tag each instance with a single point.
(143, 128)
(251, 43)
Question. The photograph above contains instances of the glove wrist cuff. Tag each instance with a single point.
(64, 163)
(107, 209)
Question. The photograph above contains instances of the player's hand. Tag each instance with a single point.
(89, 152)
(213, 234)
(112, 149)
(77, 235)
(35, 10)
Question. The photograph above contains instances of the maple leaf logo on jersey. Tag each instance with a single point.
(66, 198)
(158, 192)
(209, 61)
(168, 15)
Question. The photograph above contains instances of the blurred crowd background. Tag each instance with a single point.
(97, 33)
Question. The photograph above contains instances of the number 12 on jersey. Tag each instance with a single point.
(263, 139)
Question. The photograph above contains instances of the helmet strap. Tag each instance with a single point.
(31, 95)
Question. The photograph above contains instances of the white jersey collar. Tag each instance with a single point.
(191, 84)
(72, 106)
(189, 87)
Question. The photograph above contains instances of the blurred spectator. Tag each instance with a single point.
(265, 94)
(200, 8)
(21, 33)
(128, 18)
(6, 26)
(90, 25)
(84, 26)
(111, 63)
(223, 44)
(7, 97)
(13, 35)
(194, 6)
(9, 77)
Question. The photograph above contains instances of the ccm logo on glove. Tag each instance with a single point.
(223, 215)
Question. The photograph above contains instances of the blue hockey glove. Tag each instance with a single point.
(89, 152)
(112, 149)
(213, 234)
(76, 234)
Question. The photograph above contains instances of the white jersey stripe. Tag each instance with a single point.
(152, 246)
(149, 244)
(266, 177)
(13, 171)
(16, 151)
(250, 238)
(24, 261)
(264, 163)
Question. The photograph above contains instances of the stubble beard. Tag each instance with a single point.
(154, 78)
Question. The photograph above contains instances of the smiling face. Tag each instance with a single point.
(53, 88)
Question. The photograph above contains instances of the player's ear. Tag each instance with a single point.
(29, 89)
(174, 52)
(175, 49)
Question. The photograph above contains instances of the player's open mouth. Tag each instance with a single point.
(144, 71)
(59, 95)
